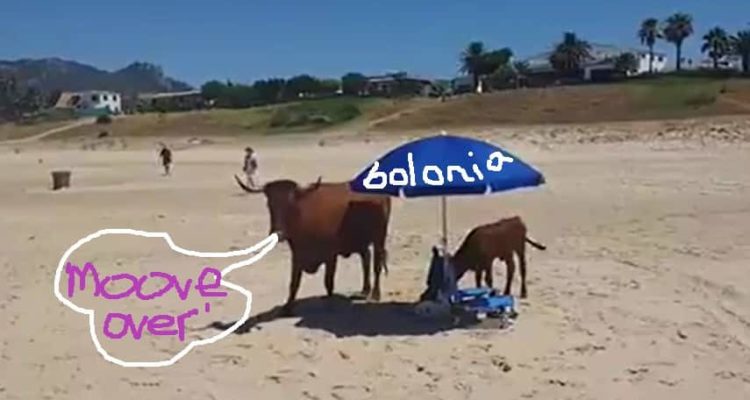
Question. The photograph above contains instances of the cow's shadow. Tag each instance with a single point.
(346, 317)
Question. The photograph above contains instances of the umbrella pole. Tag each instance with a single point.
(444, 211)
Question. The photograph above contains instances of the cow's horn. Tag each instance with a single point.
(244, 187)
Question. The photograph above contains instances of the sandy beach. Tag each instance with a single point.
(643, 292)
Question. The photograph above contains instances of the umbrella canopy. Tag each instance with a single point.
(446, 165)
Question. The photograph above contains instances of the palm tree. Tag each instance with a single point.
(718, 45)
(679, 26)
(472, 61)
(570, 54)
(648, 34)
(741, 47)
(479, 62)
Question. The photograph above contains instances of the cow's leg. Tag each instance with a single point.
(522, 268)
(330, 275)
(478, 277)
(293, 288)
(379, 261)
(510, 262)
(366, 257)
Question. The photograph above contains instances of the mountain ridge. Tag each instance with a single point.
(57, 74)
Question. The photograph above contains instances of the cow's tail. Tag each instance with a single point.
(385, 262)
(381, 259)
(535, 244)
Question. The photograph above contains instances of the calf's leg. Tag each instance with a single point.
(511, 270)
(487, 267)
(522, 268)
(478, 277)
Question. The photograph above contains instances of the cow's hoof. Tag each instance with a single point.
(375, 296)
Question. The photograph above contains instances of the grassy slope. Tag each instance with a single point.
(306, 116)
(662, 98)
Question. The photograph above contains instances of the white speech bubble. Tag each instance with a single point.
(265, 246)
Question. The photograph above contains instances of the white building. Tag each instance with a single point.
(93, 102)
(602, 59)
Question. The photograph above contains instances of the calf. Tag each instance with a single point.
(485, 243)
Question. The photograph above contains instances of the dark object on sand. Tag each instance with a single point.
(102, 134)
(60, 179)
(441, 282)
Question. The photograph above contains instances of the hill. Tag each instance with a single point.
(52, 74)
(654, 99)
(309, 116)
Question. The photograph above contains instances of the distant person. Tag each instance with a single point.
(250, 167)
(166, 158)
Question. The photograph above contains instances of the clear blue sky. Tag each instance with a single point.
(200, 40)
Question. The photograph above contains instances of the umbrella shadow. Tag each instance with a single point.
(346, 317)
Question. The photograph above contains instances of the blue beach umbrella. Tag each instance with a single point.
(446, 165)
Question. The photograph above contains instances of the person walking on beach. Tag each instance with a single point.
(250, 167)
(166, 158)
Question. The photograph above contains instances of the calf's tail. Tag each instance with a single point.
(535, 244)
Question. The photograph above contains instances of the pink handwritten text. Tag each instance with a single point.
(207, 286)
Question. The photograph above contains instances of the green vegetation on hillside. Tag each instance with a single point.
(302, 116)
(674, 93)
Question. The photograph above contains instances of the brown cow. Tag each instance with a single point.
(325, 220)
(485, 243)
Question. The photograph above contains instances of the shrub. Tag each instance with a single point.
(313, 114)
(104, 119)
